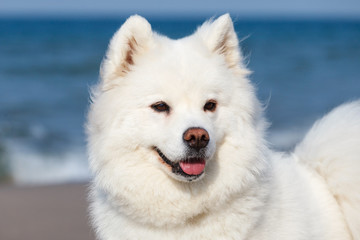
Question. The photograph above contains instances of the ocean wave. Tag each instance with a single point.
(31, 167)
(286, 139)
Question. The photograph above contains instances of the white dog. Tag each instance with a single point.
(176, 144)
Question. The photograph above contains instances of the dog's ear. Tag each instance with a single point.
(133, 38)
(220, 37)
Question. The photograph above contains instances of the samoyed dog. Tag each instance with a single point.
(176, 145)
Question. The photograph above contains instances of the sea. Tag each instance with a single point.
(301, 69)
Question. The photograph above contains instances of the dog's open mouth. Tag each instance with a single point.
(190, 168)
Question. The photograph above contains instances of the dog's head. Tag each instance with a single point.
(173, 110)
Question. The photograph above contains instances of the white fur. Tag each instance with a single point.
(247, 191)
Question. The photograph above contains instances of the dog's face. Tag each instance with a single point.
(178, 96)
(178, 117)
(169, 115)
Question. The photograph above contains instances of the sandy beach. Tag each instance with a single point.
(44, 213)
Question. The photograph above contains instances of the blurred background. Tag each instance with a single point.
(305, 56)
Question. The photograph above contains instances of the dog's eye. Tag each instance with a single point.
(210, 106)
(160, 107)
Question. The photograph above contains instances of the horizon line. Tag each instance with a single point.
(177, 15)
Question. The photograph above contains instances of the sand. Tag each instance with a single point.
(44, 213)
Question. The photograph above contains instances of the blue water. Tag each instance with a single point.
(302, 69)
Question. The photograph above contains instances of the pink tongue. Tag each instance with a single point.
(193, 167)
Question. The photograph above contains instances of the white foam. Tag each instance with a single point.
(29, 167)
(286, 139)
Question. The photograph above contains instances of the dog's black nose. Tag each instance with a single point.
(196, 138)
